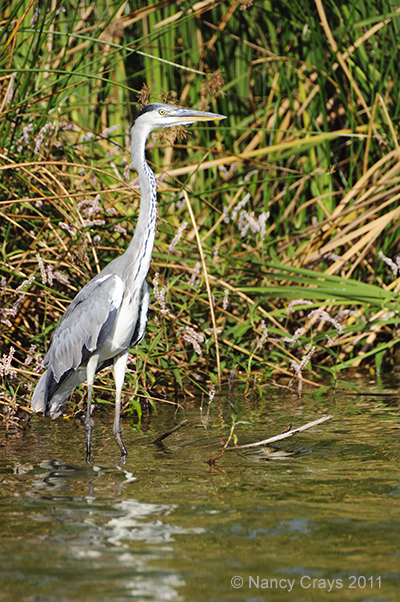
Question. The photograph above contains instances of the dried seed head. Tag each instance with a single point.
(213, 84)
(144, 96)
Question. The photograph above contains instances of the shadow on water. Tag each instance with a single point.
(313, 516)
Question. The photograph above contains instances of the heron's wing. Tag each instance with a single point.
(85, 325)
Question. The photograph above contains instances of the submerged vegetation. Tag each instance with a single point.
(277, 255)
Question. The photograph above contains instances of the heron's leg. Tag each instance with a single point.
(119, 376)
(90, 373)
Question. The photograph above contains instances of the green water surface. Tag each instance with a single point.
(315, 517)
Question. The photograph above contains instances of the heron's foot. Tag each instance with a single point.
(88, 429)
(120, 443)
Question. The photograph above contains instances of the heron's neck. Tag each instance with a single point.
(141, 246)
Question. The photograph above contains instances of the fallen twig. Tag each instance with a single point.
(282, 435)
(165, 435)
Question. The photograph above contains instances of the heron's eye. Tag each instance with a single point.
(161, 112)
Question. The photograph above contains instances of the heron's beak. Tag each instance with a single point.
(188, 116)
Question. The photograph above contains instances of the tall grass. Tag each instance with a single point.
(293, 201)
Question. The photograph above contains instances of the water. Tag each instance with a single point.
(315, 517)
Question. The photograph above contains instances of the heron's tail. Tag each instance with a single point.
(50, 396)
(40, 395)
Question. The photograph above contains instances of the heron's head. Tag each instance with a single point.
(160, 115)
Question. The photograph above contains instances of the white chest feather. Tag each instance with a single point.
(123, 328)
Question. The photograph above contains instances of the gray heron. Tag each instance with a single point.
(109, 315)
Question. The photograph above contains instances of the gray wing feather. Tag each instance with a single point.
(85, 325)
